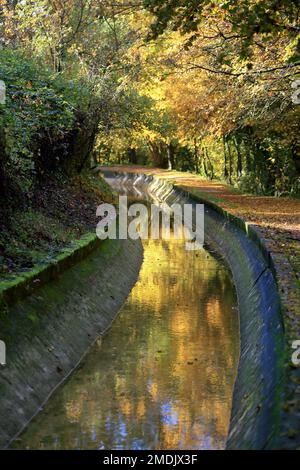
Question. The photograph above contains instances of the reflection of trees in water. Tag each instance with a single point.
(163, 377)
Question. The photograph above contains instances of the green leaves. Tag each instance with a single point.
(245, 18)
(38, 104)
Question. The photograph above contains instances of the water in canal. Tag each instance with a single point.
(163, 376)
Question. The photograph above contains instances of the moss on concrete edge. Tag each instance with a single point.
(238, 222)
(25, 283)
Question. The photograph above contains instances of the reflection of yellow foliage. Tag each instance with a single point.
(141, 409)
(153, 390)
(126, 406)
(177, 343)
(73, 410)
(188, 366)
(215, 313)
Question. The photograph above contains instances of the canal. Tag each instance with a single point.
(162, 377)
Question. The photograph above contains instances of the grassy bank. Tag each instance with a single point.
(49, 219)
(48, 124)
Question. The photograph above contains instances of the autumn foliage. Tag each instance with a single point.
(209, 87)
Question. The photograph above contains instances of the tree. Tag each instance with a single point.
(245, 20)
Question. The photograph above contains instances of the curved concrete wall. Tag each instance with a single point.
(255, 421)
(49, 332)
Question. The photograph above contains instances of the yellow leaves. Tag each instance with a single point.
(149, 135)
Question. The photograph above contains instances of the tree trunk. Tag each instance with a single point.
(211, 167)
(171, 156)
(296, 155)
(248, 159)
(230, 162)
(196, 156)
(3, 181)
(159, 154)
(225, 159)
(132, 155)
(239, 169)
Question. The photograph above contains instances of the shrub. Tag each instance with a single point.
(39, 105)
